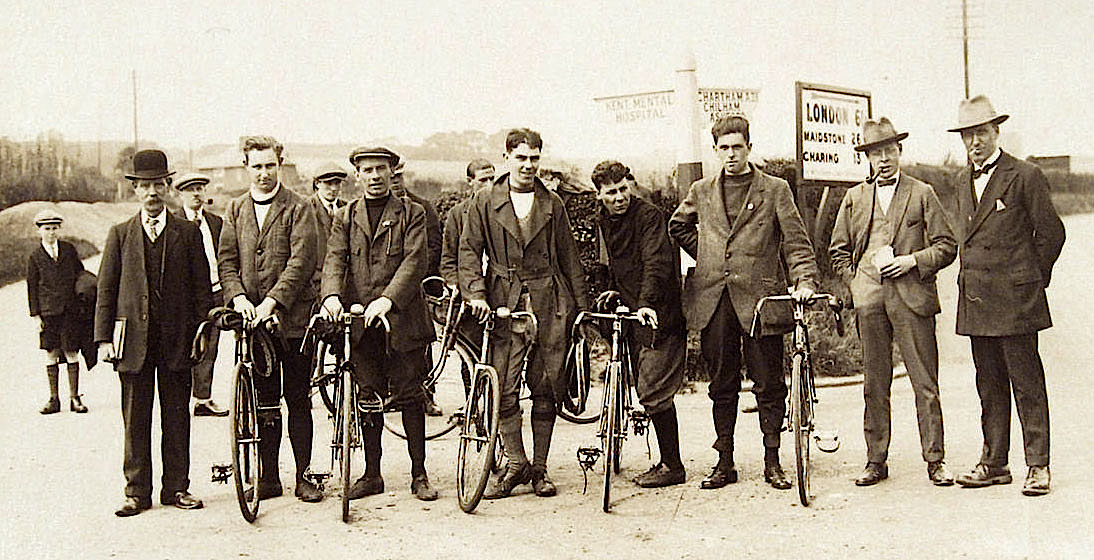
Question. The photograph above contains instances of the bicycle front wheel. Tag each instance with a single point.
(801, 422)
(348, 430)
(478, 438)
(610, 436)
(246, 466)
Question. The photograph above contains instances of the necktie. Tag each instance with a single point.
(886, 182)
(977, 173)
(152, 231)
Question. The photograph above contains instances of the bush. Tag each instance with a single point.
(15, 250)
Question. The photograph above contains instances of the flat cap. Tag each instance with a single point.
(48, 216)
(187, 180)
(329, 169)
(375, 152)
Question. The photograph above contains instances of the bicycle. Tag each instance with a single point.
(617, 408)
(341, 398)
(803, 390)
(246, 467)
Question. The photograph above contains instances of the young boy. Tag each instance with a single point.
(52, 269)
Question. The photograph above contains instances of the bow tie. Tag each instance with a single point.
(977, 173)
(886, 182)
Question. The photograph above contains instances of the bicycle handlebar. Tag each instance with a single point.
(622, 313)
(835, 304)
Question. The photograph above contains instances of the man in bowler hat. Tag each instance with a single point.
(1009, 236)
(153, 291)
(191, 189)
(889, 240)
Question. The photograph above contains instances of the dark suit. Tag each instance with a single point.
(736, 264)
(162, 291)
(1009, 242)
(450, 247)
(900, 309)
(203, 370)
(51, 295)
(276, 260)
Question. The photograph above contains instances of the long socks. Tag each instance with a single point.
(373, 429)
(668, 437)
(512, 439)
(543, 426)
(73, 380)
(414, 425)
(53, 372)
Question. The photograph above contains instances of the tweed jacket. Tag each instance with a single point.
(51, 284)
(323, 222)
(920, 229)
(1008, 244)
(123, 291)
(545, 261)
(746, 258)
(276, 260)
(362, 265)
(450, 247)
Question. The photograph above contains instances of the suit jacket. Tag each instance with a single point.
(51, 284)
(450, 248)
(276, 260)
(545, 260)
(1009, 243)
(323, 223)
(920, 229)
(362, 265)
(123, 291)
(747, 258)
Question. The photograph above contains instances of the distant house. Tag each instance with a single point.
(1052, 163)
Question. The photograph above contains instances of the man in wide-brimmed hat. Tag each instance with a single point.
(153, 292)
(889, 240)
(1009, 236)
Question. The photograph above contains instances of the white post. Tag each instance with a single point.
(689, 159)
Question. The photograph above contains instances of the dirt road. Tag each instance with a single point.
(62, 479)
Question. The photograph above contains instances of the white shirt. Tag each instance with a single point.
(885, 193)
(160, 221)
(522, 203)
(51, 249)
(207, 241)
(261, 210)
(981, 183)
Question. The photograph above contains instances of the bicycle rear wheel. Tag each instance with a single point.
(246, 466)
(610, 437)
(801, 422)
(478, 438)
(347, 430)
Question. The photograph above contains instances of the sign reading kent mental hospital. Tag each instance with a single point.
(829, 126)
(657, 105)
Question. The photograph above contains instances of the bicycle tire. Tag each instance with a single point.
(448, 393)
(591, 414)
(325, 388)
(246, 465)
(478, 438)
(801, 424)
(346, 428)
(611, 427)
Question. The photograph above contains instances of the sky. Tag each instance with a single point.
(353, 71)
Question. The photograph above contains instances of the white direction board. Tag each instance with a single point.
(657, 105)
(829, 127)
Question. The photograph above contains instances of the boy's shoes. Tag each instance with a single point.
(76, 405)
(51, 407)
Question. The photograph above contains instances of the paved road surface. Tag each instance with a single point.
(61, 478)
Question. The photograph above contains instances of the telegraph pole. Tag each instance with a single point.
(136, 144)
(965, 41)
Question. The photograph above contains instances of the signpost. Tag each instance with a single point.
(658, 105)
(829, 126)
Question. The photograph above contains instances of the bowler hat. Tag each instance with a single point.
(329, 170)
(878, 133)
(48, 216)
(974, 112)
(149, 164)
(187, 180)
(374, 152)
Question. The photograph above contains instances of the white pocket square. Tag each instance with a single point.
(999, 206)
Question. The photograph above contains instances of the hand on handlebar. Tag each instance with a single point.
(647, 317)
(244, 306)
(802, 294)
(264, 311)
(480, 309)
(377, 308)
(331, 309)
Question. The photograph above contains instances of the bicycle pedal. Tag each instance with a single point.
(587, 457)
(640, 422)
(221, 473)
(827, 441)
(319, 479)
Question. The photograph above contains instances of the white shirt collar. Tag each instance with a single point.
(895, 178)
(261, 197)
(992, 159)
(52, 249)
(160, 218)
(190, 214)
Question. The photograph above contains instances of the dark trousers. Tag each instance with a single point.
(879, 327)
(203, 370)
(294, 385)
(1003, 364)
(137, 394)
(722, 342)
